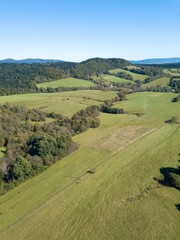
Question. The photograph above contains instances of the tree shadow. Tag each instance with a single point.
(178, 207)
(165, 172)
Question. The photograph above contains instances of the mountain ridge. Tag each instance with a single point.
(156, 60)
(30, 60)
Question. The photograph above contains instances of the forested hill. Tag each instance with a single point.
(22, 78)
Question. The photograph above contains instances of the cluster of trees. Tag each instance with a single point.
(22, 78)
(158, 89)
(123, 75)
(147, 70)
(175, 84)
(153, 72)
(171, 177)
(107, 107)
(112, 110)
(31, 147)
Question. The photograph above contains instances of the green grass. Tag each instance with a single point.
(121, 200)
(111, 79)
(156, 107)
(2, 150)
(115, 79)
(135, 76)
(132, 67)
(66, 103)
(158, 82)
(68, 82)
(173, 72)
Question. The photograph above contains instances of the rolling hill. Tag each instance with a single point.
(122, 199)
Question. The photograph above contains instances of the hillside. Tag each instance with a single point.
(164, 81)
(66, 103)
(122, 199)
(22, 78)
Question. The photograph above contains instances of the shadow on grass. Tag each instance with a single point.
(178, 207)
(165, 173)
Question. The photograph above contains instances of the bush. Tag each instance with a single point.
(175, 119)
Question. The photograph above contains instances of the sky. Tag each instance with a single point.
(75, 30)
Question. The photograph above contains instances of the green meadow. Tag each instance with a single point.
(122, 199)
(66, 103)
(68, 82)
(173, 72)
(135, 76)
(164, 81)
(115, 79)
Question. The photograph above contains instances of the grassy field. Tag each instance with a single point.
(68, 82)
(156, 107)
(135, 76)
(116, 79)
(158, 82)
(111, 79)
(66, 103)
(133, 67)
(173, 72)
(121, 200)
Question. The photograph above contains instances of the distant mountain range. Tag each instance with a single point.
(39, 60)
(156, 61)
(30, 60)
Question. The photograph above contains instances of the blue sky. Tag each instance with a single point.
(76, 30)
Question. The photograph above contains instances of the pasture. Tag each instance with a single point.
(65, 103)
(164, 81)
(156, 107)
(135, 76)
(121, 200)
(175, 72)
(68, 82)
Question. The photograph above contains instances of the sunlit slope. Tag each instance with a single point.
(173, 72)
(66, 103)
(135, 76)
(156, 107)
(68, 82)
(121, 200)
(164, 81)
